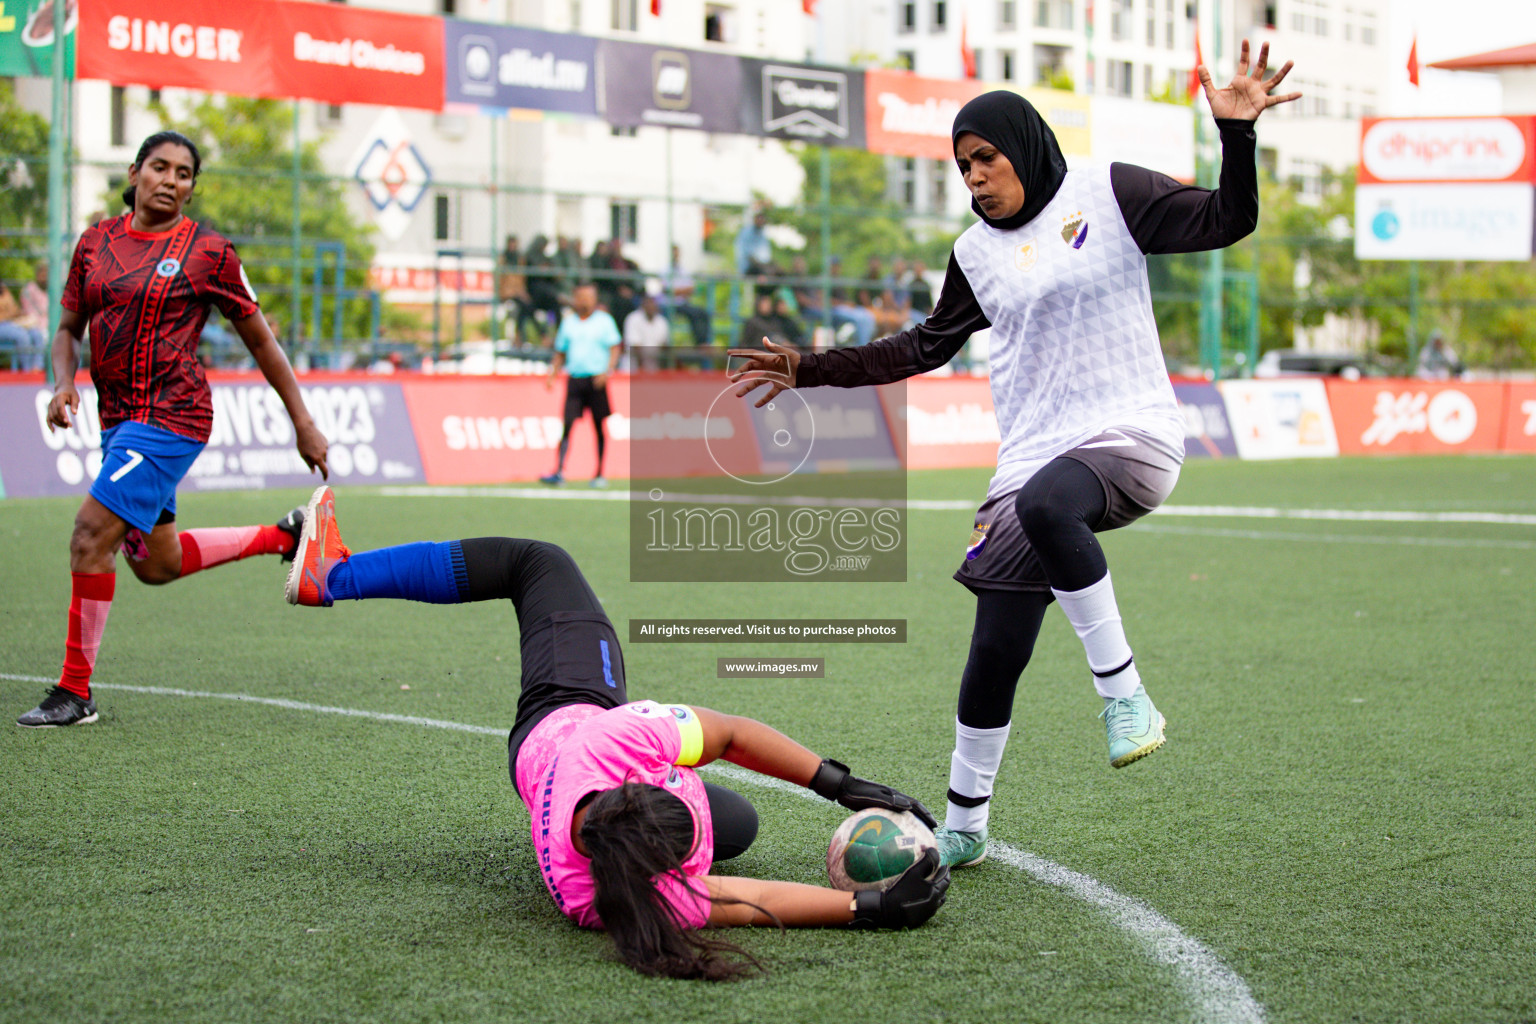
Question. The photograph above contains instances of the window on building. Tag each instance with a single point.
(1117, 77)
(906, 16)
(1050, 61)
(1151, 24)
(1007, 14)
(442, 217)
(1168, 35)
(1120, 20)
(119, 129)
(1043, 13)
(625, 15)
(906, 60)
(448, 6)
(1269, 162)
(976, 59)
(902, 174)
(332, 113)
(939, 16)
(621, 132)
(1064, 14)
(1005, 66)
(1368, 29)
(719, 23)
(938, 184)
(1146, 81)
(1368, 103)
(623, 221)
(154, 96)
(575, 13)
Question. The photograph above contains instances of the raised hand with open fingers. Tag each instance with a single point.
(775, 366)
(1249, 95)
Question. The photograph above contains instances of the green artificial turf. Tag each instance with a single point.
(1341, 817)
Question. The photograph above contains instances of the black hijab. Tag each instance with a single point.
(1009, 122)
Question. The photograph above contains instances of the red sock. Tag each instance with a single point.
(89, 602)
(204, 549)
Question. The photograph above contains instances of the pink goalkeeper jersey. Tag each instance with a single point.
(582, 748)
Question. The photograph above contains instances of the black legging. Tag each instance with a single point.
(1058, 508)
(541, 580)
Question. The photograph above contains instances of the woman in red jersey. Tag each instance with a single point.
(144, 282)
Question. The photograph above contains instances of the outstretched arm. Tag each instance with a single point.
(1165, 215)
(762, 748)
(911, 900)
(919, 349)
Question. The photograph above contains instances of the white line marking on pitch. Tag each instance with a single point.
(1218, 994)
(1339, 538)
(927, 505)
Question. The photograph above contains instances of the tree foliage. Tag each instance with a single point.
(23, 185)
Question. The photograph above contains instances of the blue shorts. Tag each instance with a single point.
(140, 468)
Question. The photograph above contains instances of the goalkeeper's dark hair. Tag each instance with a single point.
(635, 834)
(153, 143)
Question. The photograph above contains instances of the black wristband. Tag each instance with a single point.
(868, 909)
(828, 781)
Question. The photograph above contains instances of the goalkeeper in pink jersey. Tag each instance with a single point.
(624, 829)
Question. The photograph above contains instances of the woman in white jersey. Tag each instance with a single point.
(1092, 438)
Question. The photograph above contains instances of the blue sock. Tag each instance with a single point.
(424, 571)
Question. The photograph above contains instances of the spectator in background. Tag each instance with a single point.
(787, 312)
(1437, 361)
(511, 254)
(626, 285)
(567, 258)
(646, 333)
(20, 333)
(921, 292)
(767, 322)
(754, 252)
(846, 312)
(541, 277)
(677, 290)
(34, 297)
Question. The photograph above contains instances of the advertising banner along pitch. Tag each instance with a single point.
(251, 446)
(656, 85)
(797, 101)
(519, 68)
(276, 48)
(905, 115)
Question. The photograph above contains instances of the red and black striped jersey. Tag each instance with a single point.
(147, 297)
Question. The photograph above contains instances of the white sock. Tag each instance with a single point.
(1096, 618)
(972, 769)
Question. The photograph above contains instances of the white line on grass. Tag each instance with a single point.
(1218, 995)
(926, 505)
(1338, 538)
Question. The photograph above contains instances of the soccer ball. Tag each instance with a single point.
(872, 848)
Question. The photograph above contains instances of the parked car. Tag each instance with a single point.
(1290, 362)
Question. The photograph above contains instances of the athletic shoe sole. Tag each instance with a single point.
(1143, 751)
(310, 533)
(87, 720)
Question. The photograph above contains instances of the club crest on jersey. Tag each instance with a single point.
(168, 268)
(978, 541)
(1074, 230)
(1025, 255)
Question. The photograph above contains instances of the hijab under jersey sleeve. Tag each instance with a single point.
(1165, 215)
(919, 349)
